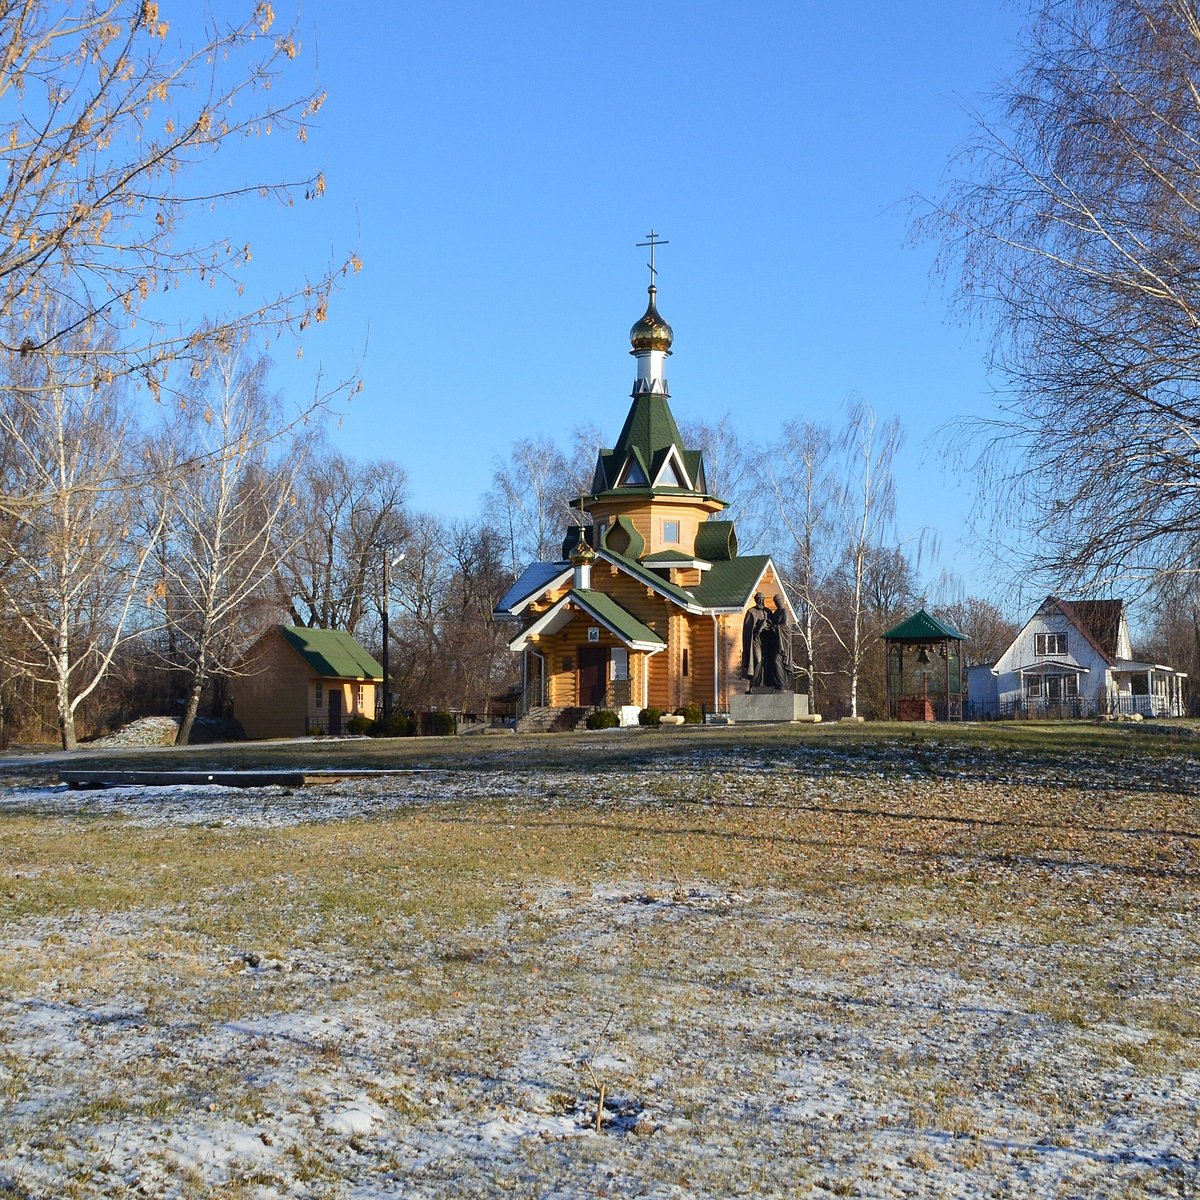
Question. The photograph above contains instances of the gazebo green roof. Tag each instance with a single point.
(921, 627)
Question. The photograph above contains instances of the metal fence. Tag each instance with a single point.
(1066, 709)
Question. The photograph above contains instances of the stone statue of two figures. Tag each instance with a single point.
(767, 646)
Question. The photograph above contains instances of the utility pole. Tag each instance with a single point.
(388, 564)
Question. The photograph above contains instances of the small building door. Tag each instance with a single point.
(335, 711)
(593, 674)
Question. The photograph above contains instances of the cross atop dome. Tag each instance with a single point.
(651, 337)
(654, 240)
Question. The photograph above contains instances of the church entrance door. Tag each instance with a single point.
(593, 674)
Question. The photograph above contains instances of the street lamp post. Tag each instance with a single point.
(388, 564)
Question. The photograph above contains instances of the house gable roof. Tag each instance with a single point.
(651, 579)
(1098, 620)
(331, 653)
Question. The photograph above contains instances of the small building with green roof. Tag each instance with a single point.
(646, 605)
(924, 670)
(295, 681)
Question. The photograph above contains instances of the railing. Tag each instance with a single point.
(1066, 708)
(618, 693)
(1030, 709)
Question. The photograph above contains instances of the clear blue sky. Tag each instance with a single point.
(494, 165)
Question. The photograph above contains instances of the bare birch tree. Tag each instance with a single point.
(1074, 225)
(535, 494)
(796, 474)
(70, 573)
(226, 509)
(867, 508)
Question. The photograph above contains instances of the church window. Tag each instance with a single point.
(669, 475)
(671, 532)
(320, 693)
(568, 663)
(633, 476)
(685, 661)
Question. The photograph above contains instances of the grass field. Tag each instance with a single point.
(851, 961)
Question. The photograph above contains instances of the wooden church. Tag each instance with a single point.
(646, 606)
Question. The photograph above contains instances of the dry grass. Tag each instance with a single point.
(856, 964)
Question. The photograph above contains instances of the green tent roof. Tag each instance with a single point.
(332, 653)
(647, 436)
(921, 627)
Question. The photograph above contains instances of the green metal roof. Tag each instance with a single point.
(649, 428)
(663, 558)
(716, 540)
(637, 543)
(652, 579)
(647, 437)
(606, 610)
(921, 627)
(332, 653)
(729, 583)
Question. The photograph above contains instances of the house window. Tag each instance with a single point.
(671, 533)
(1034, 686)
(568, 663)
(320, 694)
(359, 696)
(1049, 644)
(1070, 685)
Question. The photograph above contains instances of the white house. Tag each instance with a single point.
(1074, 658)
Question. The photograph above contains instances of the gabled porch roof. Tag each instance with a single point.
(1052, 666)
(604, 610)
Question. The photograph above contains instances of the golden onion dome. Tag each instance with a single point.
(651, 332)
(582, 555)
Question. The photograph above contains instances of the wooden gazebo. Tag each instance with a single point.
(924, 670)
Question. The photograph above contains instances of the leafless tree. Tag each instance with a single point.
(227, 511)
(70, 573)
(355, 515)
(535, 494)
(867, 508)
(731, 469)
(987, 630)
(112, 142)
(795, 475)
(1073, 224)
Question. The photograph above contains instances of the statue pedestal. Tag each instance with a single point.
(767, 706)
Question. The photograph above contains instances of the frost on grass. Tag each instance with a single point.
(876, 976)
